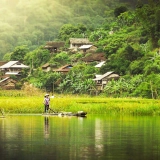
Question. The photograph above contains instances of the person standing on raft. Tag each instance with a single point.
(46, 103)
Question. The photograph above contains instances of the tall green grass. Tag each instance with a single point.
(69, 103)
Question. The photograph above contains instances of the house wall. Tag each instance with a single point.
(100, 84)
(46, 69)
(75, 46)
(7, 85)
(10, 70)
(92, 48)
(10, 86)
(14, 69)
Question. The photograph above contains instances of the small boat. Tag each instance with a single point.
(78, 114)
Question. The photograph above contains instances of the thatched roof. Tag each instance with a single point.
(80, 41)
(46, 65)
(7, 83)
(2, 63)
(52, 44)
(94, 57)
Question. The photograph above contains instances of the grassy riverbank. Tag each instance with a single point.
(23, 103)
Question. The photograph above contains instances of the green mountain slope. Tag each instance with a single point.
(128, 34)
(32, 23)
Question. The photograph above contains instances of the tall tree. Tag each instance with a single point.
(19, 53)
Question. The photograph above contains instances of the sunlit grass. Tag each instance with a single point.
(23, 103)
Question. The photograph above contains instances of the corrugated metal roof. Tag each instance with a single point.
(100, 64)
(104, 75)
(85, 46)
(65, 68)
(68, 66)
(46, 65)
(4, 79)
(98, 75)
(12, 73)
(9, 64)
(13, 64)
(19, 66)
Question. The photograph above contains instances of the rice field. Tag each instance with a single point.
(20, 102)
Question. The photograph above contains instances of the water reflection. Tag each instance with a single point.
(99, 145)
(92, 138)
(46, 127)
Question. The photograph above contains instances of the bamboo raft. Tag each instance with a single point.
(78, 114)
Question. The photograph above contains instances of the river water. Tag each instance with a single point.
(96, 137)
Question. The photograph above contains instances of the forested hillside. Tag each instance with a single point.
(127, 32)
(32, 23)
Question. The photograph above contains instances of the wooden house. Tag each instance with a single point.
(94, 57)
(12, 68)
(75, 43)
(88, 48)
(54, 47)
(46, 67)
(64, 69)
(102, 80)
(8, 84)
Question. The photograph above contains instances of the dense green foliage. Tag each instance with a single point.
(127, 32)
(79, 80)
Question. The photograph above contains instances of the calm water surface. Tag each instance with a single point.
(95, 137)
